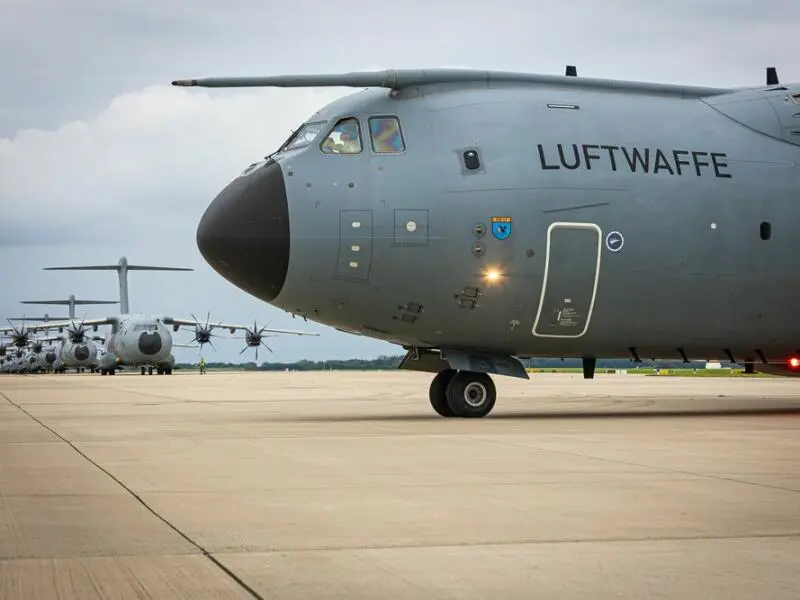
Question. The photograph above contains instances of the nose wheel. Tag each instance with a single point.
(462, 394)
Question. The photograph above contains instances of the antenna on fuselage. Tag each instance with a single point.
(71, 302)
(772, 76)
(122, 268)
(572, 71)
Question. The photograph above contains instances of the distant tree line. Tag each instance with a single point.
(385, 363)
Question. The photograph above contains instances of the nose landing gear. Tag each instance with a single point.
(462, 394)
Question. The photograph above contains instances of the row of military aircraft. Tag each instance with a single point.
(134, 341)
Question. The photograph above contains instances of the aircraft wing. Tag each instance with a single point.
(45, 325)
(232, 327)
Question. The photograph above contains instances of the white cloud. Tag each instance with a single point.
(161, 151)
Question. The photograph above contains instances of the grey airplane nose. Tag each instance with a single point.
(150, 343)
(244, 233)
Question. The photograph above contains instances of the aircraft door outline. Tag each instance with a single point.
(572, 271)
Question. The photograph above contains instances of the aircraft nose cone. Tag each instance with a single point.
(81, 353)
(150, 343)
(50, 357)
(244, 233)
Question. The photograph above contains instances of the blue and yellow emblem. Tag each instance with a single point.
(501, 227)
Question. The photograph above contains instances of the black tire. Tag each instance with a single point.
(438, 392)
(471, 395)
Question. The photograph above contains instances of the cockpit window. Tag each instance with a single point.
(386, 135)
(303, 136)
(344, 138)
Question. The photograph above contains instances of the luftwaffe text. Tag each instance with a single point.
(647, 160)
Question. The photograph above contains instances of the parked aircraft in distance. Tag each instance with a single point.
(142, 340)
(75, 349)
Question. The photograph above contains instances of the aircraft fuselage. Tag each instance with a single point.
(617, 225)
(139, 340)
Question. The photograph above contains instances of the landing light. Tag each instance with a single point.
(794, 362)
(492, 275)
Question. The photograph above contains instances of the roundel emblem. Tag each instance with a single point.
(615, 241)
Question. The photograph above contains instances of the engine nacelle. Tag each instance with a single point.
(79, 354)
(772, 110)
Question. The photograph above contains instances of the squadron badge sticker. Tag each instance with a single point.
(501, 227)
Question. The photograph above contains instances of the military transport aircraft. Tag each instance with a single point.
(144, 341)
(77, 350)
(478, 217)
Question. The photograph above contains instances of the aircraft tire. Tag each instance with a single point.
(471, 395)
(438, 393)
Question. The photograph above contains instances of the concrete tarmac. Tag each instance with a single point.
(348, 486)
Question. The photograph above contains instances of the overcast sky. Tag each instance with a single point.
(100, 157)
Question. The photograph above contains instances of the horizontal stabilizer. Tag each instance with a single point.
(44, 318)
(116, 268)
(87, 268)
(400, 78)
(68, 302)
(148, 268)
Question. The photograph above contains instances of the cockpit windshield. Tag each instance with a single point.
(303, 136)
(344, 138)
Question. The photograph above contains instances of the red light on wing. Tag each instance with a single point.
(794, 363)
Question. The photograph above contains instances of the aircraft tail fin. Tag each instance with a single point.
(122, 268)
